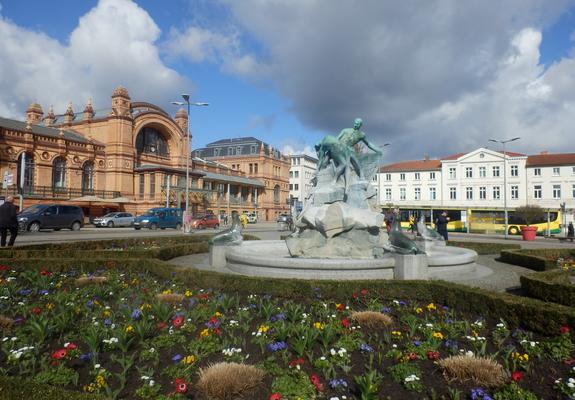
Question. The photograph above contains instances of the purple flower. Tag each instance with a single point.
(416, 343)
(366, 348)
(278, 317)
(25, 292)
(136, 314)
(276, 346)
(107, 322)
(479, 394)
(86, 357)
(386, 310)
(176, 359)
(335, 383)
(42, 292)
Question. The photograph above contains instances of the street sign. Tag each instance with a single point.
(8, 180)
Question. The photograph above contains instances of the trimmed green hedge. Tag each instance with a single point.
(553, 286)
(484, 248)
(536, 259)
(16, 388)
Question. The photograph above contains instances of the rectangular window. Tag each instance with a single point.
(432, 176)
(556, 191)
(388, 194)
(432, 194)
(556, 171)
(142, 185)
(515, 192)
(482, 193)
(401, 193)
(537, 192)
(296, 186)
(469, 193)
(452, 173)
(291, 186)
(573, 171)
(469, 172)
(230, 151)
(295, 173)
(482, 173)
(514, 170)
(401, 177)
(291, 174)
(152, 186)
(496, 193)
(417, 193)
(255, 168)
(417, 176)
(537, 172)
(253, 149)
(388, 177)
(496, 171)
(573, 188)
(453, 193)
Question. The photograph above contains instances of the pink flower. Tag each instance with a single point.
(178, 321)
(517, 376)
(564, 329)
(275, 396)
(181, 386)
(71, 346)
(59, 354)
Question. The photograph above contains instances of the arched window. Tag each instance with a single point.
(277, 193)
(59, 173)
(28, 172)
(88, 177)
(151, 141)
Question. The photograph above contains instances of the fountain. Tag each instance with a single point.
(339, 233)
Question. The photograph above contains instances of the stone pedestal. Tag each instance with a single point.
(410, 267)
(218, 256)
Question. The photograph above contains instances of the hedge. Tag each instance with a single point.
(553, 286)
(536, 259)
(484, 248)
(13, 388)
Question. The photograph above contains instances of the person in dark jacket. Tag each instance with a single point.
(8, 222)
(570, 231)
(441, 224)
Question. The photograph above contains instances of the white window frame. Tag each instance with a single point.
(537, 192)
(469, 172)
(515, 170)
(557, 191)
(556, 171)
(514, 192)
(432, 176)
(537, 172)
(417, 176)
(402, 194)
(469, 193)
(496, 192)
(452, 173)
(432, 193)
(496, 171)
(482, 193)
(402, 176)
(417, 193)
(482, 172)
(453, 193)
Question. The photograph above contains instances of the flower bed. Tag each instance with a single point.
(129, 334)
(537, 259)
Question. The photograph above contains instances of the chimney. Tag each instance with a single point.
(426, 156)
(34, 114)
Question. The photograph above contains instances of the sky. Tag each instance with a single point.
(431, 78)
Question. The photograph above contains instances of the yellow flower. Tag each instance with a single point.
(431, 307)
(167, 291)
(58, 285)
(438, 335)
(106, 313)
(188, 293)
(318, 325)
(129, 329)
(419, 310)
(218, 314)
(396, 333)
(134, 281)
(205, 332)
(145, 306)
(100, 381)
(50, 306)
(189, 359)
(263, 329)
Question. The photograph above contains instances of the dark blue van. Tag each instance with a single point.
(160, 217)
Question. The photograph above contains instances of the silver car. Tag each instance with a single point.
(114, 219)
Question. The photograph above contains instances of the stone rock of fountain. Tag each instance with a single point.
(429, 238)
(220, 242)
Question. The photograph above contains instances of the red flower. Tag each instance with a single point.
(45, 273)
(275, 396)
(36, 310)
(363, 292)
(178, 321)
(433, 355)
(59, 354)
(412, 356)
(216, 331)
(203, 296)
(181, 386)
(354, 295)
(316, 382)
(161, 325)
(345, 323)
(71, 346)
(564, 329)
(517, 376)
(3, 267)
(296, 362)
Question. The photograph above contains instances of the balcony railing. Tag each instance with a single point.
(63, 193)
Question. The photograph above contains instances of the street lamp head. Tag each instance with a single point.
(178, 103)
(514, 139)
(201, 104)
(493, 140)
(186, 97)
(386, 144)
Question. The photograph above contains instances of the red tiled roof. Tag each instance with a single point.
(453, 156)
(416, 165)
(542, 160)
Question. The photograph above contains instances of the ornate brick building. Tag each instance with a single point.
(129, 157)
(259, 161)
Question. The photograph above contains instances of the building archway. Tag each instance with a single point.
(277, 193)
(29, 171)
(88, 178)
(59, 173)
(152, 141)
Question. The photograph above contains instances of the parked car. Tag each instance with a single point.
(252, 217)
(114, 219)
(283, 218)
(51, 216)
(159, 217)
(205, 221)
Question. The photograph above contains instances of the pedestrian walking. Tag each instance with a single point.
(225, 219)
(570, 231)
(8, 222)
(441, 225)
(412, 223)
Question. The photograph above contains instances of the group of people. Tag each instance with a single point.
(440, 222)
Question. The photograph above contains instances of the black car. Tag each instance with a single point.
(51, 216)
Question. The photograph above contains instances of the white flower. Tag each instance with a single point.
(469, 353)
(145, 378)
(152, 382)
(97, 366)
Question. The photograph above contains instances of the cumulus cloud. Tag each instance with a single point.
(113, 44)
(430, 77)
(298, 148)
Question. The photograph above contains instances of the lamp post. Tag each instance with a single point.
(503, 143)
(186, 98)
